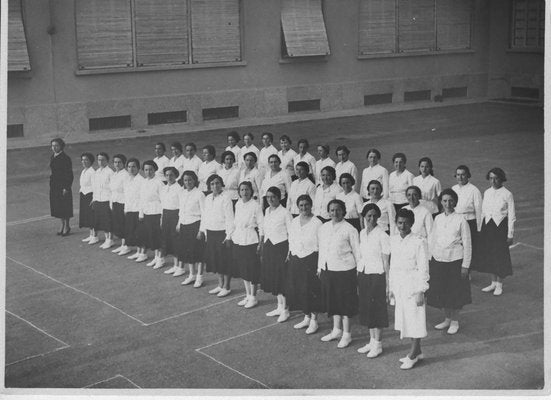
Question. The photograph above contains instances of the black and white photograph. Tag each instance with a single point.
(274, 197)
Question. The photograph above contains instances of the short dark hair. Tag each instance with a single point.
(449, 192)
(212, 178)
(133, 160)
(497, 172)
(103, 154)
(343, 148)
(225, 154)
(252, 154)
(249, 134)
(161, 144)
(275, 191)
(270, 135)
(274, 156)
(121, 157)
(339, 202)
(305, 141)
(374, 151)
(59, 141)
(464, 168)
(371, 206)
(166, 169)
(152, 163)
(429, 162)
(374, 182)
(331, 171)
(192, 175)
(177, 145)
(210, 148)
(285, 137)
(405, 213)
(347, 176)
(399, 155)
(245, 183)
(303, 197)
(325, 147)
(192, 145)
(234, 135)
(89, 156)
(416, 188)
(304, 165)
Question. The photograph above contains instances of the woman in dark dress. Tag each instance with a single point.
(61, 180)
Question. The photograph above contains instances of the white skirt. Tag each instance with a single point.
(409, 318)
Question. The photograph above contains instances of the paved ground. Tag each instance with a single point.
(79, 317)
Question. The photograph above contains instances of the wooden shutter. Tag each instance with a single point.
(453, 24)
(215, 31)
(532, 23)
(541, 33)
(104, 33)
(377, 26)
(304, 28)
(519, 22)
(161, 32)
(18, 55)
(416, 25)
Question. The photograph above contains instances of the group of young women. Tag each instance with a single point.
(297, 228)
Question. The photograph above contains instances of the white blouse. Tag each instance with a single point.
(86, 176)
(263, 157)
(498, 204)
(323, 197)
(281, 180)
(339, 247)
(277, 224)
(150, 197)
(451, 239)
(353, 203)
(217, 214)
(162, 162)
(132, 189)
(100, 184)
(244, 151)
(253, 176)
(430, 190)
(191, 206)
(409, 265)
(178, 163)
(192, 164)
(170, 196)
(321, 164)
(231, 181)
(236, 150)
(116, 184)
(207, 169)
(308, 159)
(349, 167)
(422, 225)
(298, 188)
(375, 173)
(287, 162)
(248, 219)
(469, 203)
(397, 185)
(372, 248)
(303, 239)
(387, 220)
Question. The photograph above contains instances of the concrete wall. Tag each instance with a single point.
(53, 99)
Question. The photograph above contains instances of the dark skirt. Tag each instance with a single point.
(149, 232)
(339, 292)
(217, 253)
(168, 232)
(190, 250)
(493, 250)
(474, 243)
(398, 206)
(303, 289)
(355, 222)
(246, 263)
(131, 223)
(102, 216)
(372, 300)
(273, 267)
(117, 220)
(446, 287)
(61, 206)
(85, 213)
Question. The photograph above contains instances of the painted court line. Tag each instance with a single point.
(525, 245)
(110, 379)
(26, 221)
(37, 328)
(38, 355)
(237, 336)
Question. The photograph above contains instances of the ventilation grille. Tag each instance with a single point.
(169, 117)
(454, 92)
(304, 105)
(374, 99)
(525, 92)
(220, 113)
(417, 95)
(117, 122)
(15, 130)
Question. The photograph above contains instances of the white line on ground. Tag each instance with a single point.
(237, 336)
(110, 379)
(525, 245)
(519, 336)
(26, 221)
(38, 355)
(37, 328)
(78, 290)
(536, 228)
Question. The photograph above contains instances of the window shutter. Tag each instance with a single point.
(215, 31)
(377, 26)
(304, 28)
(528, 28)
(453, 24)
(519, 23)
(18, 55)
(532, 23)
(416, 30)
(104, 33)
(541, 33)
(161, 32)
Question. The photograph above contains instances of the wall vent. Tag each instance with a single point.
(417, 95)
(304, 105)
(15, 130)
(169, 117)
(220, 113)
(374, 99)
(525, 92)
(102, 123)
(454, 92)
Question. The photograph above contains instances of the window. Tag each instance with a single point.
(303, 29)
(528, 24)
(18, 55)
(149, 33)
(401, 26)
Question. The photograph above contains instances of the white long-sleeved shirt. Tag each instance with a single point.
(253, 176)
(409, 265)
(339, 247)
(231, 181)
(308, 159)
(132, 189)
(375, 173)
(191, 206)
(86, 177)
(321, 164)
(116, 185)
(170, 196)
(281, 180)
(207, 169)
(263, 157)
(323, 197)
(287, 161)
(100, 184)
(192, 164)
(277, 224)
(298, 188)
(303, 239)
(217, 215)
(248, 219)
(423, 221)
(387, 220)
(347, 166)
(178, 163)
(353, 203)
(430, 190)
(150, 197)
(451, 239)
(469, 203)
(236, 150)
(245, 150)
(497, 205)
(372, 248)
(162, 162)
(397, 185)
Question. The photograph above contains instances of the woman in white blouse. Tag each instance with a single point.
(373, 279)
(339, 255)
(217, 227)
(170, 204)
(233, 145)
(191, 161)
(304, 156)
(191, 247)
(250, 173)
(117, 199)
(277, 223)
(287, 155)
(132, 188)
(351, 199)
(277, 177)
(161, 160)
(248, 147)
(230, 175)
(325, 192)
(246, 238)
(301, 185)
(374, 171)
(498, 224)
(398, 181)
(86, 214)
(178, 159)
(101, 199)
(266, 151)
(423, 218)
(303, 289)
(387, 219)
(208, 167)
(450, 247)
(429, 185)
(344, 164)
(324, 161)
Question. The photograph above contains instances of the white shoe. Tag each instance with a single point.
(141, 258)
(490, 288)
(284, 316)
(408, 363)
(499, 289)
(223, 292)
(198, 281)
(420, 356)
(346, 339)
(171, 270)
(376, 349)
(334, 334)
(251, 302)
(93, 240)
(125, 250)
(443, 325)
(134, 256)
(303, 324)
(312, 328)
(275, 312)
(454, 327)
(365, 349)
(244, 301)
(160, 263)
(152, 262)
(118, 249)
(215, 290)
(107, 244)
(179, 271)
(87, 239)
(189, 279)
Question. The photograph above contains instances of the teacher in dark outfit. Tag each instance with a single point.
(61, 197)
